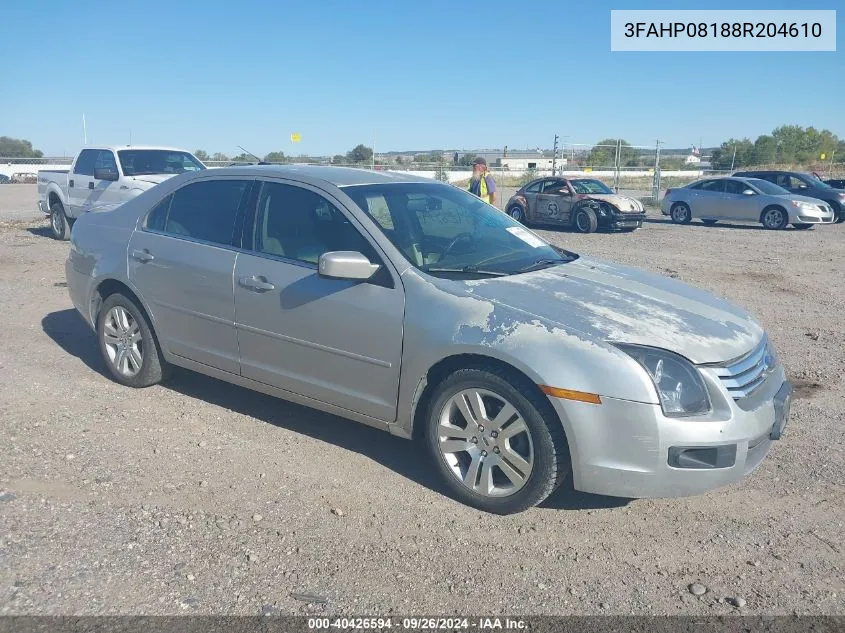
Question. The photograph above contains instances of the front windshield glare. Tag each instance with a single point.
(444, 230)
(590, 186)
(768, 187)
(140, 162)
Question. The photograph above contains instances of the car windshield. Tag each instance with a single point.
(446, 231)
(588, 185)
(140, 162)
(767, 187)
(817, 182)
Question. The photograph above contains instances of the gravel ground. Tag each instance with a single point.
(201, 497)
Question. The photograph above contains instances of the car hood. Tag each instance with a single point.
(152, 178)
(609, 302)
(799, 198)
(623, 203)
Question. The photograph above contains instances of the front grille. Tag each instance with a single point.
(743, 376)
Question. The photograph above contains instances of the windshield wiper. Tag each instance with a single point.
(543, 263)
(472, 270)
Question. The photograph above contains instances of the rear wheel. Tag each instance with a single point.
(681, 213)
(517, 213)
(495, 440)
(585, 220)
(127, 343)
(774, 218)
(59, 225)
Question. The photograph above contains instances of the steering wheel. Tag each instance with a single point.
(460, 237)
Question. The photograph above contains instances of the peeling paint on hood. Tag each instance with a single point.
(623, 203)
(614, 303)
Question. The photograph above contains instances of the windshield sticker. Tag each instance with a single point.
(526, 236)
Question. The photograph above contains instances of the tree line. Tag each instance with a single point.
(786, 145)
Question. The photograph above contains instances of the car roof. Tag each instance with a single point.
(115, 148)
(338, 176)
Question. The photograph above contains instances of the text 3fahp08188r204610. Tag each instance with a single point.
(723, 29)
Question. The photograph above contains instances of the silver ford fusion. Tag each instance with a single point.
(412, 306)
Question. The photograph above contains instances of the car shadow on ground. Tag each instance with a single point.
(408, 459)
(40, 231)
(721, 224)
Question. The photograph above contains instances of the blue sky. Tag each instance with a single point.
(412, 75)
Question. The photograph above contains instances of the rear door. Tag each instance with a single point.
(554, 202)
(707, 200)
(80, 183)
(181, 260)
(337, 341)
(530, 192)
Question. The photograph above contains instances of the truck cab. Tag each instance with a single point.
(106, 176)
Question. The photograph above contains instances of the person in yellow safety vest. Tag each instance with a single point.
(482, 184)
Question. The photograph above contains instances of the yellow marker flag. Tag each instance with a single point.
(822, 156)
(295, 137)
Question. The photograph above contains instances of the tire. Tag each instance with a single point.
(536, 456)
(585, 220)
(774, 218)
(59, 224)
(517, 213)
(709, 222)
(838, 213)
(802, 227)
(680, 213)
(135, 332)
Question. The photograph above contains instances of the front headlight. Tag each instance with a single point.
(803, 205)
(679, 385)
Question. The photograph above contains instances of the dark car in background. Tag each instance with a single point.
(585, 204)
(803, 184)
(836, 183)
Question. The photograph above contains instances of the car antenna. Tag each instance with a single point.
(246, 151)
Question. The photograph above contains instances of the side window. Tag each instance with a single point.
(735, 187)
(206, 210)
(157, 218)
(797, 183)
(298, 224)
(534, 187)
(713, 185)
(105, 160)
(555, 186)
(378, 210)
(85, 162)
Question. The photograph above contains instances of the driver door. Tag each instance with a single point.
(554, 203)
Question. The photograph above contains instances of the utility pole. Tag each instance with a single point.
(655, 189)
(554, 157)
(733, 160)
(84, 131)
(616, 165)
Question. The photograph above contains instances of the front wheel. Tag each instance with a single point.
(495, 440)
(127, 343)
(802, 227)
(59, 225)
(775, 218)
(586, 220)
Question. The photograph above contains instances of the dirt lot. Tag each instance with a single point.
(200, 497)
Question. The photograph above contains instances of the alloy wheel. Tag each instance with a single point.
(123, 341)
(485, 443)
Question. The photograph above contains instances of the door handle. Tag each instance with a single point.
(70, 184)
(91, 185)
(257, 284)
(143, 256)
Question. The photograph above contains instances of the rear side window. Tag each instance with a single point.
(713, 185)
(205, 211)
(85, 162)
(157, 218)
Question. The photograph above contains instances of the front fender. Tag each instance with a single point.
(442, 321)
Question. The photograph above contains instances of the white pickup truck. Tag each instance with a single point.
(102, 176)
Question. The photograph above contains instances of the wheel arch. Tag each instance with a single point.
(109, 286)
(469, 360)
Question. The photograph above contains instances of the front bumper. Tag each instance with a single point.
(630, 449)
(621, 220)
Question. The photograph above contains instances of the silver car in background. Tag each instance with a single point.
(744, 200)
(414, 307)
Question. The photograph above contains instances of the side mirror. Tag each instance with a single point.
(749, 192)
(346, 265)
(106, 173)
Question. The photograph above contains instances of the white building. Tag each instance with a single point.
(521, 163)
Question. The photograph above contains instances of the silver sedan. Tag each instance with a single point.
(744, 200)
(414, 307)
